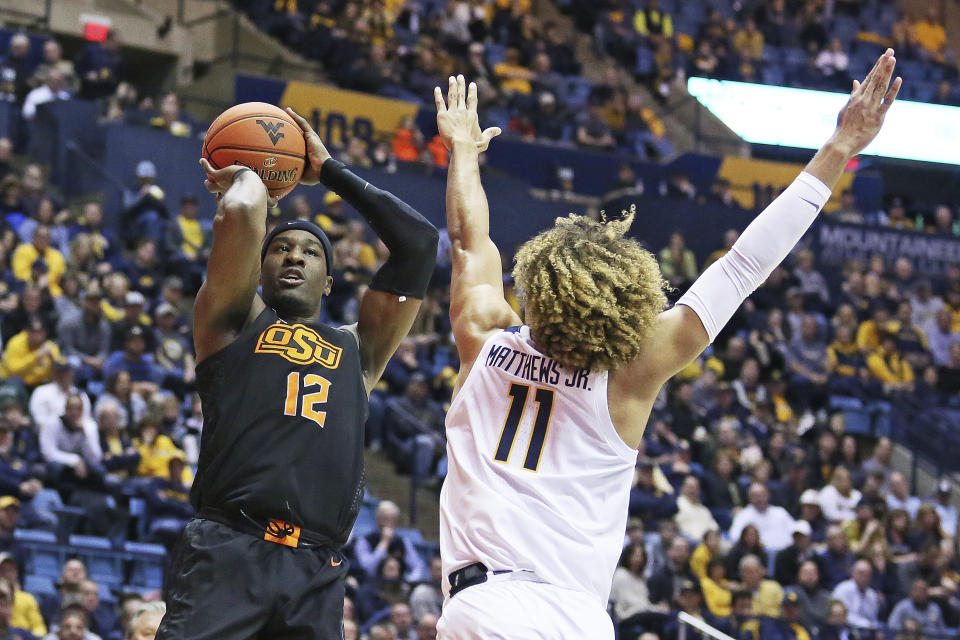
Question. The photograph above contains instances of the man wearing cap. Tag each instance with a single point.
(789, 560)
(946, 511)
(187, 244)
(788, 626)
(333, 221)
(173, 354)
(145, 211)
(133, 359)
(280, 473)
(134, 304)
(9, 515)
(85, 338)
(30, 355)
(689, 599)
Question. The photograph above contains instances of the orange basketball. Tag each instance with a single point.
(261, 137)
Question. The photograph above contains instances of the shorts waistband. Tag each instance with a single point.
(477, 573)
(270, 529)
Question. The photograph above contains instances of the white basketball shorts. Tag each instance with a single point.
(521, 610)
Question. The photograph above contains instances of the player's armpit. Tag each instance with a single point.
(382, 323)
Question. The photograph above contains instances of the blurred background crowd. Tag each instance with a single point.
(769, 499)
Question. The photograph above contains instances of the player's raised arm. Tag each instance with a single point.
(390, 306)
(228, 297)
(684, 331)
(477, 305)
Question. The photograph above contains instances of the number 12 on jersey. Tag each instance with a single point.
(544, 399)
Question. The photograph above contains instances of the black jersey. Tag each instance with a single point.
(284, 408)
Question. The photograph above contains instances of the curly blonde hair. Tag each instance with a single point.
(591, 294)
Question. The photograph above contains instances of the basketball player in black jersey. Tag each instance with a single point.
(280, 476)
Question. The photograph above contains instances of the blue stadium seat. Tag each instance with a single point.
(104, 565)
(39, 585)
(858, 422)
(495, 53)
(413, 536)
(427, 551)
(845, 402)
(147, 564)
(43, 556)
(366, 522)
(106, 594)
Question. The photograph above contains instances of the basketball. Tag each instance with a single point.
(263, 138)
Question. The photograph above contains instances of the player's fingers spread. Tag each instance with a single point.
(856, 87)
(461, 92)
(892, 93)
(438, 99)
(452, 93)
(472, 96)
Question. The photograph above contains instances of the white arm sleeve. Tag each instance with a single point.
(722, 288)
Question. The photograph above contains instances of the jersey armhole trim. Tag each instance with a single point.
(603, 414)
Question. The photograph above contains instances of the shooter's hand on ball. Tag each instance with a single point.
(457, 120)
(317, 154)
(860, 120)
(219, 180)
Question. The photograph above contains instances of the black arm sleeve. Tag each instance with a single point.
(410, 237)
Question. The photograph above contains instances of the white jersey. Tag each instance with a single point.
(539, 479)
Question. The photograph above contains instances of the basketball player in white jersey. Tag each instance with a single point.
(547, 415)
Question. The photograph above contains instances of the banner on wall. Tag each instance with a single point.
(336, 114)
(835, 244)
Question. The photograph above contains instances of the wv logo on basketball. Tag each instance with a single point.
(298, 344)
(273, 130)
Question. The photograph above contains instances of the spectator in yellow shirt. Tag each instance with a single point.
(27, 254)
(26, 612)
(353, 251)
(748, 42)
(653, 23)
(30, 355)
(767, 594)
(718, 597)
(868, 334)
(705, 552)
(333, 222)
(156, 450)
(513, 76)
(889, 367)
(930, 34)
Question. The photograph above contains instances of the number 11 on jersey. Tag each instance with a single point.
(544, 399)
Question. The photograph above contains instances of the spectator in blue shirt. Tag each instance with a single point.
(133, 359)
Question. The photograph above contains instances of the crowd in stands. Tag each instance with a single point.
(754, 508)
(526, 70)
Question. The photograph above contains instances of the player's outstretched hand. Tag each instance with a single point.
(860, 119)
(457, 119)
(317, 154)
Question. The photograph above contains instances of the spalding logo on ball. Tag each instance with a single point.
(261, 137)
